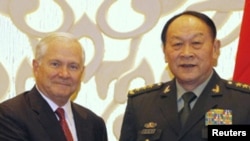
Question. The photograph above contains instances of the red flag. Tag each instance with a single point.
(242, 65)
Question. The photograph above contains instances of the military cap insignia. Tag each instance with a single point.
(144, 89)
(238, 86)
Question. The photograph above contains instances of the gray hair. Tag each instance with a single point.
(42, 46)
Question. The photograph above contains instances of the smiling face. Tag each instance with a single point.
(190, 50)
(59, 71)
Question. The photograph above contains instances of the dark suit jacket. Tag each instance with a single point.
(28, 117)
(151, 112)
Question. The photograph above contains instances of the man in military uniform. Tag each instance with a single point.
(160, 112)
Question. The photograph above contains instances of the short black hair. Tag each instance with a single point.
(196, 14)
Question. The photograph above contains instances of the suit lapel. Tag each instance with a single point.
(45, 116)
(82, 126)
(168, 106)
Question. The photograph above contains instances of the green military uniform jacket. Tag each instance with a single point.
(151, 113)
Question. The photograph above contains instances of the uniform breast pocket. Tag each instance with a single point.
(149, 135)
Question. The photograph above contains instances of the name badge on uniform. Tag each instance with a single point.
(218, 117)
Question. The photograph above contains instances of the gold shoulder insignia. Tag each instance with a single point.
(144, 89)
(238, 86)
(216, 89)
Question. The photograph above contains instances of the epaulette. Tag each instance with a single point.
(147, 88)
(239, 86)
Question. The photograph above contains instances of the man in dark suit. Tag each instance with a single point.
(156, 112)
(58, 68)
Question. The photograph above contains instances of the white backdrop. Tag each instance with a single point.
(121, 39)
